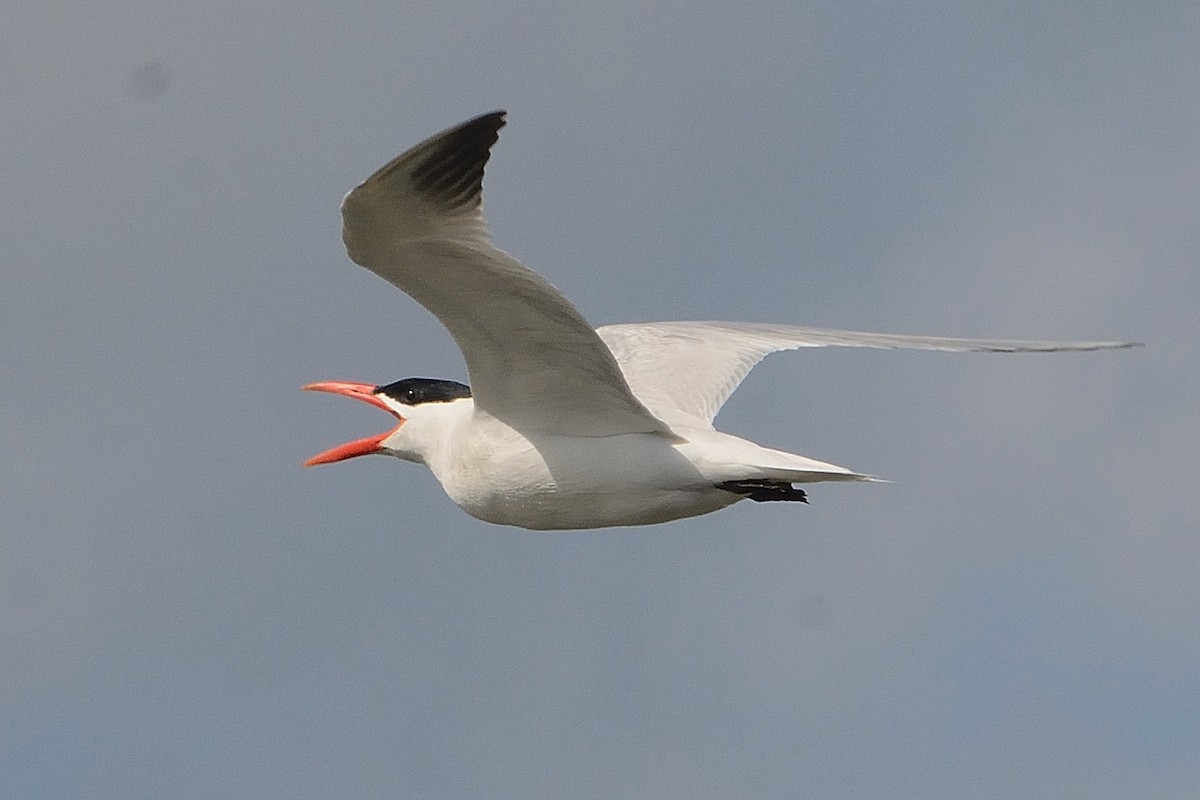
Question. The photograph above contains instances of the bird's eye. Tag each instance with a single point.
(411, 394)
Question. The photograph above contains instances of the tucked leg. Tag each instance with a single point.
(765, 491)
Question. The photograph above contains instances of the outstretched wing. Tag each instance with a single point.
(534, 361)
(685, 371)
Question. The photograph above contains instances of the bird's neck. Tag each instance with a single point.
(432, 429)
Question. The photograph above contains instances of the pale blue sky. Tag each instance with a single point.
(186, 613)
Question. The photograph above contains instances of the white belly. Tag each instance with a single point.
(565, 483)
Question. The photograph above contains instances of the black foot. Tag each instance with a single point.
(765, 491)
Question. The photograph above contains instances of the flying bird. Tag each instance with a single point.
(565, 425)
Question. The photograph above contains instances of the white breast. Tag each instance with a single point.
(497, 475)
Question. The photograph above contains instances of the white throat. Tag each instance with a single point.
(428, 430)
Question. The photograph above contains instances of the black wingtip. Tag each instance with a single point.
(449, 167)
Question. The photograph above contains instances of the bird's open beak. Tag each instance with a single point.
(359, 447)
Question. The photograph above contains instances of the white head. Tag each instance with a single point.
(425, 407)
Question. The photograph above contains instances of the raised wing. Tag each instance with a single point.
(685, 371)
(534, 361)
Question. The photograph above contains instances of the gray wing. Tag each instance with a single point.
(534, 361)
(685, 371)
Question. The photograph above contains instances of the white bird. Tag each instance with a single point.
(565, 425)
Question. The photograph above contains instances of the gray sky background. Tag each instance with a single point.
(186, 613)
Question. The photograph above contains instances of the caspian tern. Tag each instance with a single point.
(565, 425)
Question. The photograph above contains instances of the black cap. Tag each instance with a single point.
(415, 391)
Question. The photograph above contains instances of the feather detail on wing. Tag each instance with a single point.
(685, 371)
(534, 361)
